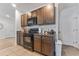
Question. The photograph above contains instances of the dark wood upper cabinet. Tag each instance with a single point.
(22, 17)
(40, 16)
(29, 14)
(23, 20)
(45, 15)
(33, 14)
(49, 14)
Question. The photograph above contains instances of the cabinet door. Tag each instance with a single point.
(47, 46)
(33, 13)
(37, 43)
(49, 14)
(39, 16)
(23, 20)
(19, 38)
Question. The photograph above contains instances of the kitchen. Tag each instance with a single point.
(38, 29)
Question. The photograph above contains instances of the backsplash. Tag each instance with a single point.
(43, 27)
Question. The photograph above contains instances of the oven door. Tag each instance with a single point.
(27, 43)
(27, 39)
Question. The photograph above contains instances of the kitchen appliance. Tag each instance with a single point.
(33, 30)
(32, 21)
(28, 41)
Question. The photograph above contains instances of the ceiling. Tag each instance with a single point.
(7, 9)
(26, 7)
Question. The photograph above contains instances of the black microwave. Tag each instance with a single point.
(32, 21)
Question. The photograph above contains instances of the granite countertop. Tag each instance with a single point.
(49, 35)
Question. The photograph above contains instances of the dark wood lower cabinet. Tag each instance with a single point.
(41, 43)
(47, 45)
(37, 43)
(44, 45)
(20, 38)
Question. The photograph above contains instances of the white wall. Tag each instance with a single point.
(8, 29)
(17, 20)
(17, 23)
(68, 14)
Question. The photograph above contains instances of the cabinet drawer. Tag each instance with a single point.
(47, 39)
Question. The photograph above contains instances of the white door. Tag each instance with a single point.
(74, 27)
(66, 28)
(75, 20)
(77, 28)
(69, 25)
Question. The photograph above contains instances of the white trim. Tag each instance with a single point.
(6, 37)
(74, 45)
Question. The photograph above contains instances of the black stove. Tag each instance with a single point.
(28, 41)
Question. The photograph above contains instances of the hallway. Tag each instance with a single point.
(70, 51)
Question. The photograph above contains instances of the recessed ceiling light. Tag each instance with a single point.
(7, 15)
(14, 5)
(49, 6)
(29, 13)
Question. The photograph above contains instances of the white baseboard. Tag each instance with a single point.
(71, 44)
(2, 37)
(6, 37)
